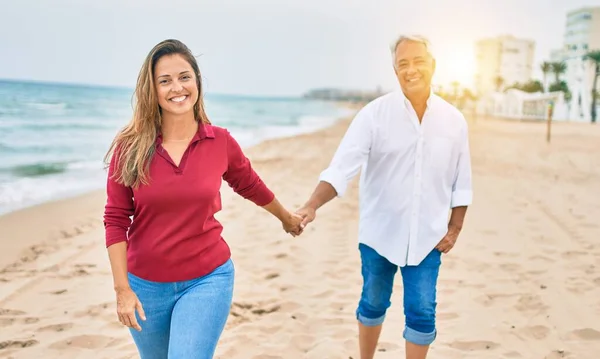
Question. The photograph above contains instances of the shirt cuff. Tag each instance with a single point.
(336, 179)
(115, 235)
(263, 196)
(461, 198)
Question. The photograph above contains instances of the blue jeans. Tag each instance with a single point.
(183, 319)
(419, 293)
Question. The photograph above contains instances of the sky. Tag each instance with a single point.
(261, 47)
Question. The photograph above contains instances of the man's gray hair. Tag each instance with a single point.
(414, 38)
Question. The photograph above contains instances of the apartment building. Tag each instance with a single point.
(582, 35)
(505, 57)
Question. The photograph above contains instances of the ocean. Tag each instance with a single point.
(53, 136)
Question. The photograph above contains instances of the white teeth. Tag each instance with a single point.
(178, 99)
(412, 80)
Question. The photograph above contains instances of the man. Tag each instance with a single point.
(413, 149)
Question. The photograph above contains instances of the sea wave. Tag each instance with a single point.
(37, 169)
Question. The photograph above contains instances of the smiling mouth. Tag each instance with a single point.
(178, 98)
(413, 80)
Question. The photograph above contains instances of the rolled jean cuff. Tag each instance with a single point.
(419, 338)
(370, 322)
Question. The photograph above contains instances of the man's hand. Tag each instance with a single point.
(308, 215)
(447, 243)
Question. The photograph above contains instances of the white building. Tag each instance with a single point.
(582, 34)
(506, 57)
(523, 106)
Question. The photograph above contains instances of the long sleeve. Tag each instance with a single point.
(119, 208)
(462, 192)
(351, 154)
(242, 178)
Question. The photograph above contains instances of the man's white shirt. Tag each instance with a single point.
(412, 174)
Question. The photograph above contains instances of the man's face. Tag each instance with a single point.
(414, 67)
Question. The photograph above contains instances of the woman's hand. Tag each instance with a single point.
(292, 224)
(127, 304)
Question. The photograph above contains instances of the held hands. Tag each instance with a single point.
(127, 304)
(308, 215)
(297, 221)
(293, 224)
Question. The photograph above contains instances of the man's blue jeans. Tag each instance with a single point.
(419, 293)
(183, 319)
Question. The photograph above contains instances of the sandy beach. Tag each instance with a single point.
(522, 282)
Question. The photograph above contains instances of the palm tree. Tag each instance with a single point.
(594, 58)
(558, 68)
(455, 85)
(499, 80)
(546, 68)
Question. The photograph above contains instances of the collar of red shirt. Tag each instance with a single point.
(204, 131)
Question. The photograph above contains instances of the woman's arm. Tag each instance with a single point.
(117, 219)
(117, 254)
(244, 181)
(292, 223)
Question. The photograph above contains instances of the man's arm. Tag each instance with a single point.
(462, 195)
(323, 193)
(346, 163)
(457, 217)
(462, 191)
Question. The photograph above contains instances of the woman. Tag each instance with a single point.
(172, 271)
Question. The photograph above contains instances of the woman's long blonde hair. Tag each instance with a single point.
(134, 145)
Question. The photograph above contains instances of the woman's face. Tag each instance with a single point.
(175, 84)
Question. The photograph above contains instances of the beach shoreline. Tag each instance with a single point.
(522, 282)
(64, 217)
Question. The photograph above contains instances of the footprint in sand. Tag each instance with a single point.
(243, 312)
(586, 334)
(13, 344)
(337, 305)
(11, 312)
(488, 300)
(557, 354)
(474, 345)
(303, 341)
(591, 270)
(77, 272)
(84, 265)
(56, 327)
(386, 347)
(530, 302)
(6, 321)
(58, 292)
(537, 332)
(96, 310)
(88, 342)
